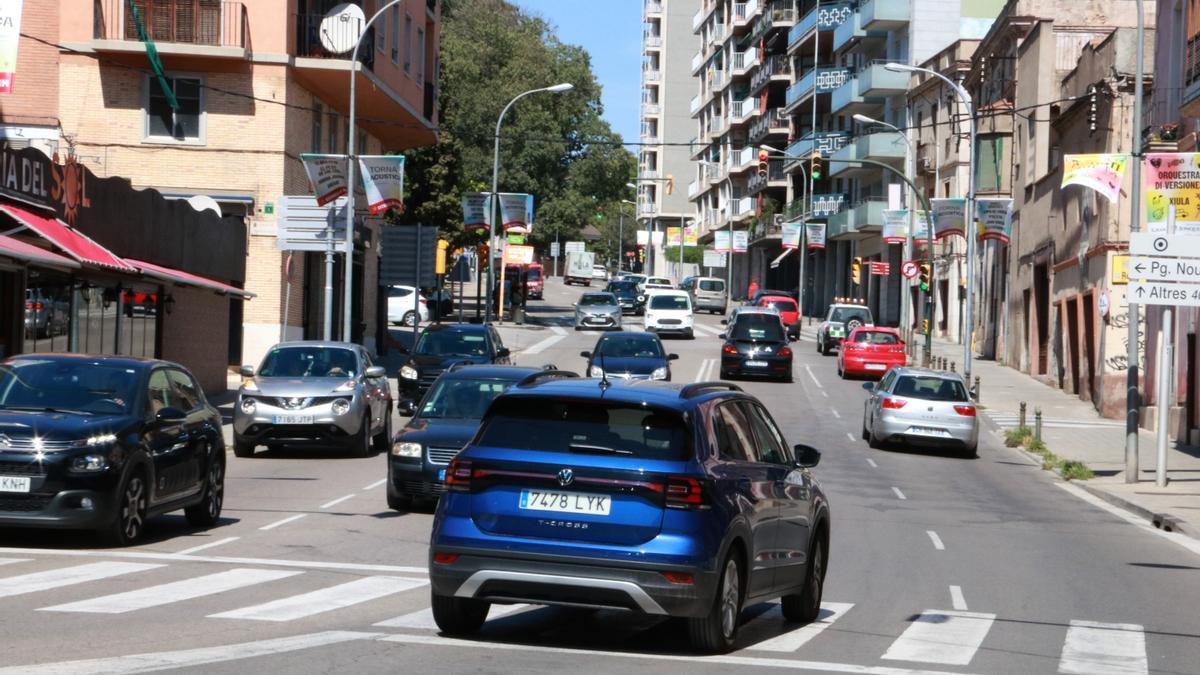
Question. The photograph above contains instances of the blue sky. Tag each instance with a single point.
(611, 31)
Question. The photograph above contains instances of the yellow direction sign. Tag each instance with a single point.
(1120, 269)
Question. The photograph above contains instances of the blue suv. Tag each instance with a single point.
(666, 499)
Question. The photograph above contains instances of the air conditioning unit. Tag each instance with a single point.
(926, 165)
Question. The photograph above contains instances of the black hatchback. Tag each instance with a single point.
(441, 346)
(103, 443)
(756, 345)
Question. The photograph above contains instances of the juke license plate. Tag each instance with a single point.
(292, 419)
(14, 483)
(566, 502)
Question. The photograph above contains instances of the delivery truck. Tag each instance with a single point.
(579, 268)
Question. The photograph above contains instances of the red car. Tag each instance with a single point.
(787, 311)
(870, 352)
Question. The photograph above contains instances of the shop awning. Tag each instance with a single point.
(24, 251)
(186, 278)
(71, 241)
(779, 259)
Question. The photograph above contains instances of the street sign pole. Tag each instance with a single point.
(1132, 400)
(1166, 361)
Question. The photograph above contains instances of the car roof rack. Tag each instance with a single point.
(697, 388)
(534, 378)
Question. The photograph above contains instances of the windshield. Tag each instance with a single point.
(534, 275)
(68, 384)
(751, 327)
(931, 388)
(669, 302)
(309, 361)
(782, 305)
(622, 287)
(594, 299)
(585, 427)
(876, 337)
(461, 398)
(452, 343)
(714, 285)
(630, 347)
(658, 281)
(844, 314)
(397, 292)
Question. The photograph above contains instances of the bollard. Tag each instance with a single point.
(952, 366)
(1022, 425)
(976, 388)
(1037, 424)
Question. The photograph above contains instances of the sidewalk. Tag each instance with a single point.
(1073, 430)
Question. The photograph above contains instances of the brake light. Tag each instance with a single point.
(785, 351)
(681, 578)
(33, 305)
(684, 492)
(965, 410)
(729, 349)
(423, 301)
(889, 403)
(445, 558)
(458, 475)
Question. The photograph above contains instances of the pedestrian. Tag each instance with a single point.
(752, 288)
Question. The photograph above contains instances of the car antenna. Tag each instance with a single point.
(604, 383)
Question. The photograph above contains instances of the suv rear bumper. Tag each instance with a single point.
(492, 577)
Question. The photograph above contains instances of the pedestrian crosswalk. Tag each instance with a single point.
(1007, 420)
(261, 593)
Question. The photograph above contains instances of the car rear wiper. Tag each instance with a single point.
(597, 449)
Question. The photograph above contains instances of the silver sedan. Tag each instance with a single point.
(598, 310)
(919, 406)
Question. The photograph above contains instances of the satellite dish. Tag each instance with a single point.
(342, 27)
(204, 203)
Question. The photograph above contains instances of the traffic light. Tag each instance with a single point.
(924, 326)
(926, 276)
(670, 183)
(817, 166)
(440, 263)
(856, 270)
(762, 162)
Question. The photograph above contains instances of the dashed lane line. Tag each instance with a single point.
(937, 541)
(899, 494)
(337, 501)
(957, 600)
(285, 521)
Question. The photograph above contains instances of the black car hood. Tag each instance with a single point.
(635, 365)
(439, 433)
(439, 362)
(59, 426)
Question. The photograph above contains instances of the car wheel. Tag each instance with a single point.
(207, 512)
(806, 606)
(410, 318)
(971, 452)
(821, 347)
(243, 448)
(726, 375)
(384, 438)
(129, 521)
(691, 335)
(360, 445)
(872, 441)
(458, 616)
(866, 435)
(715, 632)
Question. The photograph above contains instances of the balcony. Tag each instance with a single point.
(698, 61)
(718, 34)
(693, 189)
(847, 100)
(740, 111)
(652, 41)
(778, 68)
(858, 221)
(646, 207)
(695, 104)
(875, 80)
(824, 142)
(825, 79)
(774, 122)
(653, 7)
(776, 177)
(713, 217)
(740, 160)
(210, 28)
(717, 79)
(826, 17)
(649, 133)
(851, 31)
(745, 12)
(744, 61)
(741, 209)
(883, 147)
(649, 108)
(717, 125)
(777, 15)
(651, 75)
(884, 14)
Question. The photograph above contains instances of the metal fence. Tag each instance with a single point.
(216, 23)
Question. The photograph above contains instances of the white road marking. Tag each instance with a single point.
(939, 636)
(937, 541)
(539, 347)
(211, 544)
(176, 591)
(141, 663)
(9, 561)
(232, 560)
(685, 660)
(67, 576)
(1183, 540)
(872, 463)
(424, 618)
(836, 413)
(899, 494)
(813, 376)
(337, 501)
(285, 521)
(850, 436)
(1094, 648)
(825, 393)
(957, 599)
(324, 600)
(558, 330)
(376, 484)
(706, 368)
(795, 639)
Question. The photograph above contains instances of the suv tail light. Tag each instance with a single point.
(785, 351)
(965, 410)
(729, 349)
(889, 403)
(458, 475)
(684, 492)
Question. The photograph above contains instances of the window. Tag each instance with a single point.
(381, 32)
(395, 35)
(407, 43)
(160, 394)
(931, 388)
(769, 447)
(732, 433)
(333, 133)
(989, 172)
(186, 389)
(317, 116)
(420, 56)
(184, 124)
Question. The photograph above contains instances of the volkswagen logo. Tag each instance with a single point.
(5, 441)
(566, 477)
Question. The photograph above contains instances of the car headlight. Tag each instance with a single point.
(249, 385)
(97, 440)
(249, 405)
(595, 371)
(340, 406)
(408, 373)
(348, 385)
(406, 449)
(89, 463)
(659, 373)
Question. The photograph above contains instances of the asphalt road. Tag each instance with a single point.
(939, 564)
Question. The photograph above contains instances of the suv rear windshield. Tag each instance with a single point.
(668, 302)
(713, 285)
(622, 287)
(757, 327)
(931, 388)
(782, 305)
(844, 314)
(585, 427)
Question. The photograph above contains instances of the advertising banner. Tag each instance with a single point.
(714, 259)
(643, 238)
(895, 226)
(791, 235)
(741, 241)
(383, 180)
(516, 210)
(921, 228)
(721, 241)
(689, 236)
(672, 236)
(949, 217)
(518, 255)
(995, 218)
(1102, 173)
(477, 210)
(327, 174)
(816, 236)
(1172, 178)
(10, 37)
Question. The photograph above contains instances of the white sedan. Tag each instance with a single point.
(405, 305)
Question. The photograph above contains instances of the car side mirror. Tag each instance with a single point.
(869, 386)
(407, 408)
(722, 335)
(586, 354)
(375, 371)
(807, 456)
(503, 351)
(724, 322)
(672, 357)
(246, 371)
(170, 414)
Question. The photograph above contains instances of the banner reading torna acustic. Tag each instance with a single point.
(327, 173)
(383, 179)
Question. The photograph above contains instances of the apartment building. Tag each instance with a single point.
(667, 85)
(258, 83)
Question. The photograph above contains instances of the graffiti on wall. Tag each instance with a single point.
(1120, 361)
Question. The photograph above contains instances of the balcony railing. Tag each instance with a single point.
(775, 173)
(825, 17)
(652, 41)
(741, 110)
(744, 12)
(650, 108)
(212, 23)
(698, 60)
(718, 33)
(695, 104)
(771, 67)
(743, 61)
(742, 207)
(651, 75)
(654, 7)
(825, 78)
(776, 14)
(314, 38)
(773, 121)
(1191, 62)
(717, 78)
(693, 189)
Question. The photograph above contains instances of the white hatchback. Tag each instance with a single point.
(406, 305)
(669, 312)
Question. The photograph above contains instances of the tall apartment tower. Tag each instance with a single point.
(667, 85)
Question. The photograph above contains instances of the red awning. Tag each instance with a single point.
(186, 278)
(73, 242)
(21, 250)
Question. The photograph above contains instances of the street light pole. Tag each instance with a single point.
(1132, 400)
(968, 210)
(494, 208)
(621, 231)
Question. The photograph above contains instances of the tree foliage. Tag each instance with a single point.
(490, 52)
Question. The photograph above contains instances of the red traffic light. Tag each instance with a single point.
(762, 155)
